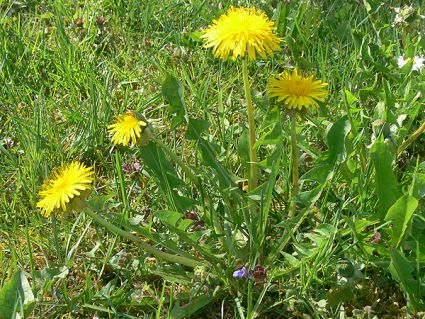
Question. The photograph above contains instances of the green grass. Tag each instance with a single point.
(65, 75)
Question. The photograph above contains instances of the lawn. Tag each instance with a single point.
(212, 159)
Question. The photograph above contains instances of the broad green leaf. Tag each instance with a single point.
(16, 294)
(349, 97)
(325, 165)
(184, 224)
(183, 203)
(173, 221)
(305, 251)
(168, 217)
(311, 196)
(271, 129)
(315, 238)
(319, 237)
(336, 139)
(209, 158)
(366, 53)
(107, 290)
(172, 273)
(172, 90)
(400, 213)
(407, 67)
(51, 273)
(418, 182)
(358, 37)
(367, 6)
(385, 182)
(321, 174)
(326, 230)
(158, 238)
(195, 128)
(158, 166)
(345, 268)
(338, 295)
(379, 116)
(389, 115)
(291, 260)
(190, 308)
(243, 148)
(99, 202)
(275, 159)
(358, 226)
(318, 174)
(290, 226)
(401, 270)
(419, 187)
(384, 70)
(196, 36)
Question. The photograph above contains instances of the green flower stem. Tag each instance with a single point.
(252, 181)
(173, 156)
(411, 138)
(157, 253)
(294, 158)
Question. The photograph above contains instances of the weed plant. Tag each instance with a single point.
(195, 191)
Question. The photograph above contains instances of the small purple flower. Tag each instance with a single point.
(242, 273)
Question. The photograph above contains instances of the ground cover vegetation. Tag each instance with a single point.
(212, 159)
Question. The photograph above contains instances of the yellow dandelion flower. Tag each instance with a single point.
(126, 127)
(242, 31)
(65, 183)
(297, 91)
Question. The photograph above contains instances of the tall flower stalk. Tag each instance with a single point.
(244, 32)
(189, 262)
(252, 180)
(295, 173)
(298, 93)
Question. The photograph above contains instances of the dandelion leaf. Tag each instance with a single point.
(336, 139)
(190, 308)
(400, 213)
(195, 128)
(385, 181)
(16, 295)
(401, 270)
(173, 92)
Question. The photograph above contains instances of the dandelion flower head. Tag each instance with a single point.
(240, 32)
(126, 127)
(297, 91)
(63, 185)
